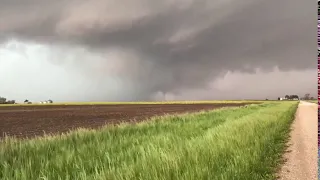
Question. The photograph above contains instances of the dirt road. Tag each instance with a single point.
(302, 161)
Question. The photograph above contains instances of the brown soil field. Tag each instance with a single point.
(31, 121)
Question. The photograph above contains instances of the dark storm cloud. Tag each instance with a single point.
(171, 45)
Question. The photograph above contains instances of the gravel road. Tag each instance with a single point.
(301, 158)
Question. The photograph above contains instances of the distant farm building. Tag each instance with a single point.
(46, 102)
(289, 97)
(27, 102)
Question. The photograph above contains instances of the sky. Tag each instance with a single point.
(141, 50)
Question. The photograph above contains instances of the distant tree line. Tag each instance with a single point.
(291, 97)
(4, 100)
(307, 97)
(296, 97)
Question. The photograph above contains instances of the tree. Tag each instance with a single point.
(3, 100)
(11, 102)
(294, 97)
(26, 101)
(307, 96)
(287, 96)
(312, 98)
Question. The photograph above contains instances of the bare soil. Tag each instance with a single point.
(31, 121)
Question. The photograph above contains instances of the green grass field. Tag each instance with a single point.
(232, 143)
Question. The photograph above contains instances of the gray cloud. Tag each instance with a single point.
(166, 46)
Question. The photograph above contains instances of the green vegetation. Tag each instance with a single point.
(231, 143)
(313, 101)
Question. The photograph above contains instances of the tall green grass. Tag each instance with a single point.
(233, 143)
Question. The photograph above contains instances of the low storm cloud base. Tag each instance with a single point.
(156, 50)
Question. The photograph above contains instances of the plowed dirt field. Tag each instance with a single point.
(30, 121)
